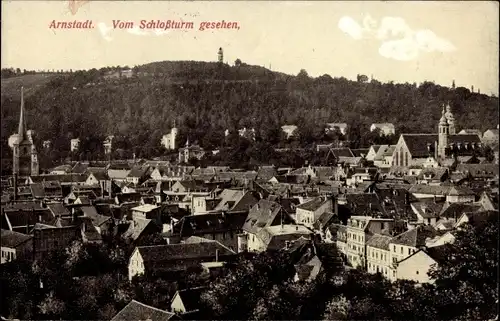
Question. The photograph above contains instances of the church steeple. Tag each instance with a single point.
(21, 131)
(25, 158)
(443, 128)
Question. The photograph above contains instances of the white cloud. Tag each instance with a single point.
(351, 27)
(393, 27)
(104, 30)
(369, 23)
(404, 49)
(428, 41)
(160, 32)
(398, 40)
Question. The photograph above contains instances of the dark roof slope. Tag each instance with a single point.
(419, 144)
(191, 298)
(140, 311)
(313, 204)
(12, 239)
(261, 215)
(415, 237)
(161, 253)
(211, 223)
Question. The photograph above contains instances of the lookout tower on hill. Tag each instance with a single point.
(220, 55)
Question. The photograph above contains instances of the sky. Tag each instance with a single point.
(410, 41)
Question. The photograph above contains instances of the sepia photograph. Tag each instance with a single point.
(249, 160)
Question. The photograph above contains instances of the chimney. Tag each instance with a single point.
(216, 255)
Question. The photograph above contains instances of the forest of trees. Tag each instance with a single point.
(86, 282)
(205, 99)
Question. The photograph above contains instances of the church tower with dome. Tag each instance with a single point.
(444, 131)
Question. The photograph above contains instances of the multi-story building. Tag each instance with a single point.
(379, 255)
(409, 242)
(359, 230)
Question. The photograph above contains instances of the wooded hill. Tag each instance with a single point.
(207, 98)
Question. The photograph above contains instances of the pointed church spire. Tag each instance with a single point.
(22, 123)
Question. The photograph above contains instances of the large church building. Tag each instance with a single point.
(25, 162)
(416, 149)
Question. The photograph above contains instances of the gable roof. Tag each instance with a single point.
(58, 209)
(262, 214)
(80, 168)
(235, 200)
(191, 298)
(193, 185)
(379, 241)
(419, 144)
(478, 170)
(313, 204)
(138, 171)
(364, 204)
(481, 217)
(140, 311)
(211, 223)
(455, 210)
(341, 152)
(383, 151)
(428, 209)
(275, 237)
(360, 151)
(415, 237)
(136, 228)
(63, 178)
(13, 239)
(172, 252)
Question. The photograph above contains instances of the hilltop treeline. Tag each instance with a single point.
(205, 99)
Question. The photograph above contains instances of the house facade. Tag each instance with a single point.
(379, 255)
(308, 212)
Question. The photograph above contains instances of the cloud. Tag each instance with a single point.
(393, 27)
(160, 32)
(398, 40)
(428, 41)
(351, 27)
(403, 50)
(104, 30)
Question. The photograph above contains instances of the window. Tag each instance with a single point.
(394, 248)
(401, 250)
(416, 272)
(409, 251)
(376, 255)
